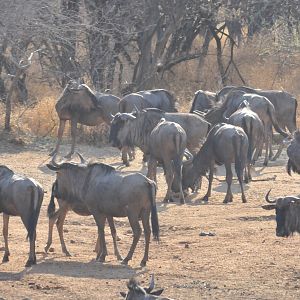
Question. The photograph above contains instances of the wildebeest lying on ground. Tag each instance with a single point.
(167, 142)
(109, 193)
(134, 129)
(293, 152)
(81, 209)
(224, 144)
(20, 196)
(79, 104)
(284, 103)
(203, 100)
(287, 214)
(136, 292)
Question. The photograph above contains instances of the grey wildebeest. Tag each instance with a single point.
(79, 208)
(287, 214)
(203, 101)
(293, 152)
(159, 98)
(259, 104)
(134, 129)
(224, 144)
(79, 104)
(284, 103)
(137, 292)
(20, 196)
(109, 193)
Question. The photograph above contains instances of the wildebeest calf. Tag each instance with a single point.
(287, 214)
(20, 196)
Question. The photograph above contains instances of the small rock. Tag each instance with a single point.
(202, 233)
(186, 245)
(51, 249)
(72, 242)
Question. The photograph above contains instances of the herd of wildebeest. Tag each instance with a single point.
(233, 125)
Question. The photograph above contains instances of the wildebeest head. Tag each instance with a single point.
(293, 152)
(136, 292)
(287, 214)
(118, 129)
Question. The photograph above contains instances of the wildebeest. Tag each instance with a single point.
(137, 292)
(224, 144)
(284, 103)
(203, 100)
(60, 215)
(293, 152)
(287, 214)
(20, 196)
(79, 104)
(134, 129)
(253, 127)
(109, 193)
(159, 98)
(167, 142)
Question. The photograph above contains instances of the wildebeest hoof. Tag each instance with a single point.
(5, 259)
(265, 163)
(205, 198)
(67, 253)
(244, 199)
(30, 262)
(125, 262)
(68, 156)
(143, 263)
(166, 200)
(119, 257)
(100, 259)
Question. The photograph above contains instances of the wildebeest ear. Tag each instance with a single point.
(269, 206)
(157, 293)
(123, 294)
(51, 167)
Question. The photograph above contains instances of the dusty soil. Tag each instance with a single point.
(244, 260)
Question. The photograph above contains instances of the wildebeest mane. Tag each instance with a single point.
(107, 169)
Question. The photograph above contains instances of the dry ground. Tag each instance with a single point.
(244, 260)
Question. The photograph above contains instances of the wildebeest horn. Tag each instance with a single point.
(151, 286)
(267, 198)
(126, 116)
(82, 160)
(53, 162)
(136, 108)
(188, 155)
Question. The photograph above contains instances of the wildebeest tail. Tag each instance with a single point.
(295, 115)
(154, 215)
(238, 143)
(248, 128)
(36, 200)
(51, 206)
(271, 113)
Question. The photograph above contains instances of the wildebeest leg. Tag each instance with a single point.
(60, 228)
(133, 218)
(271, 144)
(100, 221)
(248, 176)
(210, 179)
(169, 169)
(73, 135)
(239, 173)
(124, 152)
(5, 236)
(147, 233)
(114, 237)
(228, 197)
(178, 172)
(267, 149)
(281, 146)
(60, 132)
(152, 165)
(50, 230)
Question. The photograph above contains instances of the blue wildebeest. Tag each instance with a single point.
(137, 292)
(123, 133)
(224, 144)
(284, 103)
(203, 101)
(109, 193)
(80, 105)
(293, 152)
(287, 214)
(20, 196)
(79, 208)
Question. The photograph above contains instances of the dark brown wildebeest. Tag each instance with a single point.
(60, 215)
(167, 142)
(287, 214)
(79, 104)
(293, 152)
(224, 144)
(134, 129)
(253, 127)
(284, 103)
(20, 196)
(136, 292)
(203, 101)
(109, 193)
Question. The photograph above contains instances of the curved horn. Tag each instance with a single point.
(189, 156)
(53, 162)
(267, 198)
(82, 160)
(136, 108)
(151, 286)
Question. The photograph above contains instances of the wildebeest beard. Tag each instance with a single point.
(291, 221)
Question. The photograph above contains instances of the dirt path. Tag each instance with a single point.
(244, 260)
